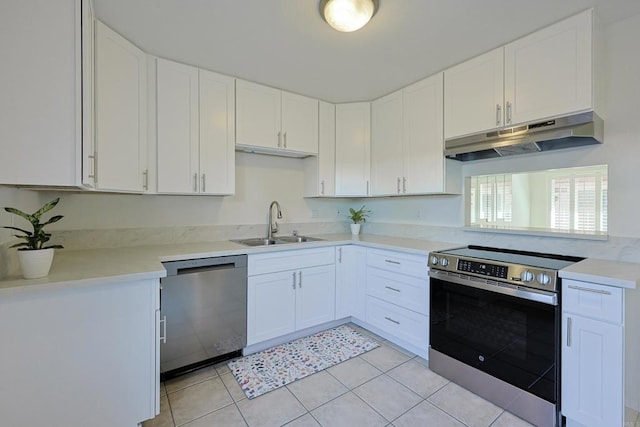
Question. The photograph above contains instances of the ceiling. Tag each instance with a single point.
(286, 44)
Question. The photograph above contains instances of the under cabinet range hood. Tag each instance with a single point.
(563, 132)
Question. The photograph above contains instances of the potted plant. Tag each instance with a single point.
(357, 218)
(35, 258)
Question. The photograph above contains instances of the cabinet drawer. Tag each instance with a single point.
(407, 292)
(592, 300)
(289, 260)
(398, 262)
(400, 322)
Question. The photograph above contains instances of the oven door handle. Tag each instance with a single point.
(539, 296)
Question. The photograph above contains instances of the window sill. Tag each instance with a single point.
(545, 232)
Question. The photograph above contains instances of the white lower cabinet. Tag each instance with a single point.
(289, 291)
(397, 297)
(592, 354)
(351, 288)
(81, 356)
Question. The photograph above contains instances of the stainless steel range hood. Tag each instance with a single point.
(563, 132)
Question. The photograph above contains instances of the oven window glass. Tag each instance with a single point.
(507, 337)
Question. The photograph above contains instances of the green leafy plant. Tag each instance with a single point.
(360, 215)
(36, 239)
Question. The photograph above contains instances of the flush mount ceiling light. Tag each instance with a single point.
(348, 15)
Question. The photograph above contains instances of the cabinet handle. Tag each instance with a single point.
(95, 167)
(300, 279)
(391, 320)
(392, 262)
(392, 289)
(279, 139)
(595, 291)
(92, 157)
(340, 255)
(404, 184)
(145, 179)
(322, 187)
(284, 138)
(398, 186)
(294, 280)
(568, 331)
(195, 182)
(204, 183)
(367, 187)
(508, 113)
(163, 337)
(498, 114)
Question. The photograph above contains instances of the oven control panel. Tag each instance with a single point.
(515, 274)
(483, 268)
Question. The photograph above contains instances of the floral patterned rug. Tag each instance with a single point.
(270, 369)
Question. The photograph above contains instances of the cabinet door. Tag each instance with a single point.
(549, 72)
(473, 95)
(315, 296)
(40, 77)
(592, 371)
(353, 146)
(299, 123)
(217, 133)
(271, 306)
(257, 115)
(386, 145)
(120, 112)
(351, 270)
(424, 161)
(327, 149)
(177, 105)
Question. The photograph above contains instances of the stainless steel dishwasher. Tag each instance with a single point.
(203, 304)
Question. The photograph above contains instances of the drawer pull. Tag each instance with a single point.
(392, 262)
(163, 337)
(595, 291)
(391, 320)
(392, 289)
(568, 331)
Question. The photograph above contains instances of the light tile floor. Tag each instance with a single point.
(384, 387)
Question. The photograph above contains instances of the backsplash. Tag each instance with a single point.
(615, 248)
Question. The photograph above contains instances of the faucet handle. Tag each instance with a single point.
(295, 233)
(274, 228)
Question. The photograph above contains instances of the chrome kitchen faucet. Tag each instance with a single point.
(272, 226)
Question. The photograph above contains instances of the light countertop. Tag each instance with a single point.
(78, 268)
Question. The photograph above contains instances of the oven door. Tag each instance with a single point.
(508, 337)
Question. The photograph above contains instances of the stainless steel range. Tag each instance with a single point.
(495, 326)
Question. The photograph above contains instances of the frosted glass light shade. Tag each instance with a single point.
(348, 15)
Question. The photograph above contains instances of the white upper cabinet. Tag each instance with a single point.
(387, 172)
(41, 104)
(545, 74)
(120, 154)
(217, 133)
(407, 154)
(320, 170)
(275, 122)
(550, 73)
(474, 95)
(195, 130)
(353, 148)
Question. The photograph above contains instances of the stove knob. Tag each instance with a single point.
(434, 260)
(543, 279)
(526, 276)
(444, 262)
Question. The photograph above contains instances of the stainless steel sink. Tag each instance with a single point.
(276, 240)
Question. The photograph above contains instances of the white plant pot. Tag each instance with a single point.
(355, 229)
(35, 264)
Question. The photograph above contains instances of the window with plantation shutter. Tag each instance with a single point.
(561, 204)
(491, 199)
(579, 202)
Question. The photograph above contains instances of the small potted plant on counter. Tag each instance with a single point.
(357, 218)
(35, 258)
